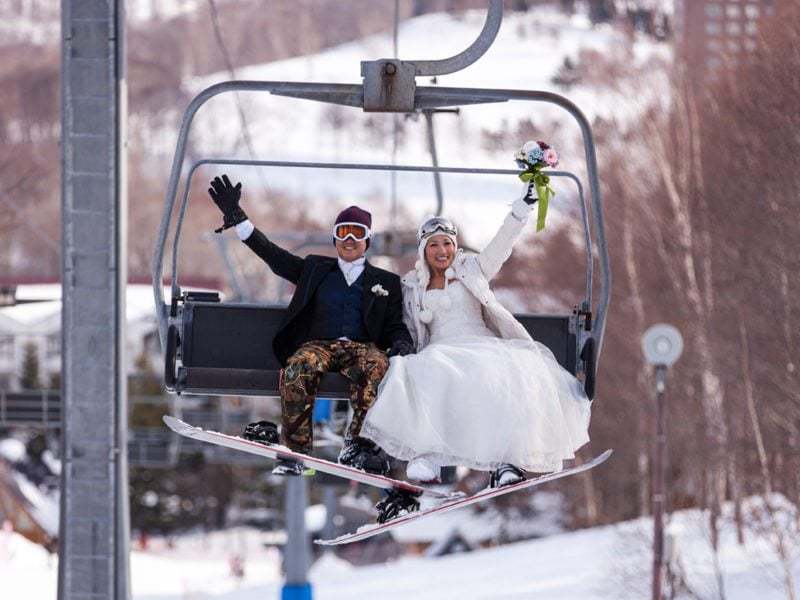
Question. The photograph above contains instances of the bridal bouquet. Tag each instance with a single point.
(532, 158)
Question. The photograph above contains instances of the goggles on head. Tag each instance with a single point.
(357, 231)
(434, 225)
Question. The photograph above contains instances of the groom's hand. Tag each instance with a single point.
(400, 348)
(226, 196)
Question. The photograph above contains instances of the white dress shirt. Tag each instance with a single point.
(351, 270)
(244, 229)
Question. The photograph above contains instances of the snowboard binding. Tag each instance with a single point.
(364, 455)
(506, 474)
(263, 432)
(395, 504)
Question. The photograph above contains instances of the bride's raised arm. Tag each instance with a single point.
(499, 249)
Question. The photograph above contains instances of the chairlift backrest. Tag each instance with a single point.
(226, 348)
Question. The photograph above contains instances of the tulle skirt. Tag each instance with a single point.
(479, 401)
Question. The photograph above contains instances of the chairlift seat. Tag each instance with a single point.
(226, 348)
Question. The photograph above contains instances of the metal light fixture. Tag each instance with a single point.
(662, 345)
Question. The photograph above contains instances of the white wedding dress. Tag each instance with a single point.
(471, 398)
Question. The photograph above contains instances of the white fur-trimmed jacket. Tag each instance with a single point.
(474, 271)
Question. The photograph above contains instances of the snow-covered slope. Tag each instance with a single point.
(527, 53)
(601, 563)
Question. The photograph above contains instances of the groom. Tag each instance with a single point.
(343, 317)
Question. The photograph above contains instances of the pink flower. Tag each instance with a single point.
(550, 157)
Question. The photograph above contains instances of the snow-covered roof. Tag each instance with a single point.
(45, 316)
(36, 292)
(31, 317)
(44, 508)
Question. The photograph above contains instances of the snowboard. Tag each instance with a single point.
(367, 531)
(275, 451)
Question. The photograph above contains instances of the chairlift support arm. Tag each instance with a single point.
(390, 84)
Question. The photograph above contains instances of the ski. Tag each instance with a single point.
(275, 451)
(367, 531)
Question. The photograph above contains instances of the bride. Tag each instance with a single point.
(480, 392)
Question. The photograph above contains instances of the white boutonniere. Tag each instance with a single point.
(378, 290)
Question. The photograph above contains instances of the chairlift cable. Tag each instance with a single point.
(226, 57)
(393, 176)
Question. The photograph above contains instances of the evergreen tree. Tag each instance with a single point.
(601, 11)
(29, 378)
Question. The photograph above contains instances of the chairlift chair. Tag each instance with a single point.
(215, 347)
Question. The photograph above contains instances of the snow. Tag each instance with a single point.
(12, 450)
(26, 569)
(44, 507)
(315, 517)
(30, 314)
(30, 292)
(198, 565)
(592, 564)
(42, 302)
(51, 462)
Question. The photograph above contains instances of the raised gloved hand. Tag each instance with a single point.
(529, 194)
(400, 348)
(226, 196)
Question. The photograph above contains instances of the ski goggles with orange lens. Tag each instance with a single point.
(357, 231)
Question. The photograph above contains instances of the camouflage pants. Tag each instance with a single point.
(362, 363)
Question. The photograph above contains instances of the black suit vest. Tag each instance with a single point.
(338, 309)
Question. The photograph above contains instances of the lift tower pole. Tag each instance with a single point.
(94, 529)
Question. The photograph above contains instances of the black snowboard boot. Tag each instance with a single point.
(506, 474)
(287, 466)
(364, 455)
(395, 504)
(264, 432)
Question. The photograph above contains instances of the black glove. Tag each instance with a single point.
(400, 348)
(226, 196)
(530, 196)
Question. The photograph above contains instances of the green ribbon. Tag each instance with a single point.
(543, 190)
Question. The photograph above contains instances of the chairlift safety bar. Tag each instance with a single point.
(376, 167)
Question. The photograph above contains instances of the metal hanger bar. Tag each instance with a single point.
(364, 166)
(422, 100)
(478, 48)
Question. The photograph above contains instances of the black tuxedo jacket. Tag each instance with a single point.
(383, 315)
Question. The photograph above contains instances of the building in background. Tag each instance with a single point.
(33, 326)
(30, 323)
(710, 33)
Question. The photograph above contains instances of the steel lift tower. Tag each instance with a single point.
(94, 529)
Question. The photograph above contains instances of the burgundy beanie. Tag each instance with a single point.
(354, 214)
